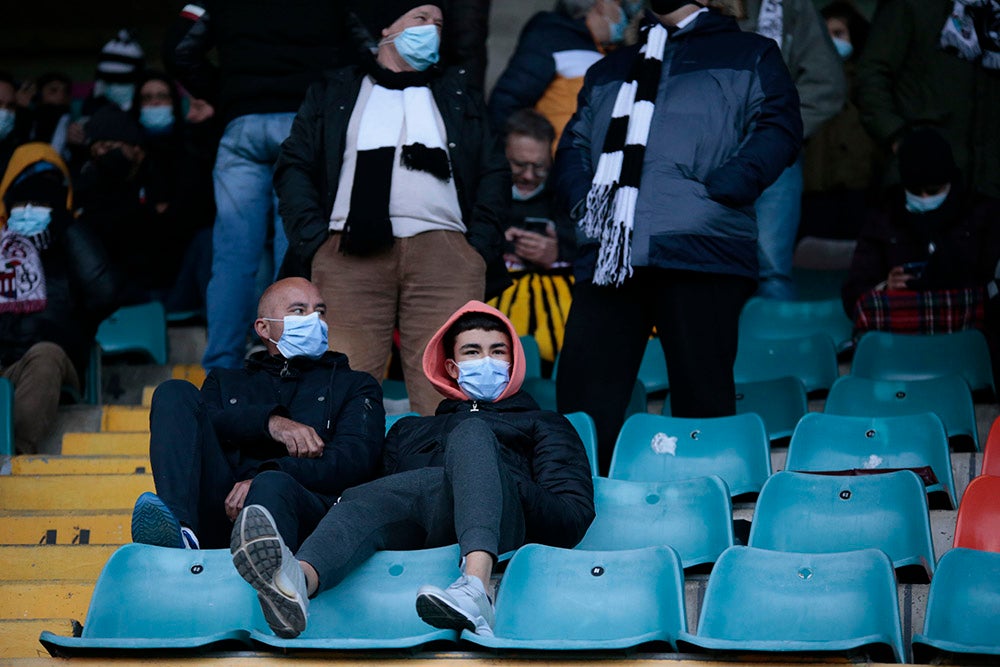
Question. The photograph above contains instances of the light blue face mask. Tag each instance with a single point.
(919, 204)
(618, 28)
(419, 46)
(632, 7)
(304, 336)
(6, 122)
(157, 120)
(29, 220)
(844, 48)
(483, 379)
(517, 195)
(121, 94)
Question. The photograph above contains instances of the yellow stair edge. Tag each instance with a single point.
(72, 492)
(54, 527)
(19, 638)
(147, 395)
(43, 563)
(118, 418)
(193, 373)
(106, 444)
(54, 598)
(80, 465)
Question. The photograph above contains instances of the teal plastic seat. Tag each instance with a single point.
(812, 359)
(375, 606)
(654, 448)
(694, 516)
(532, 357)
(807, 513)
(780, 602)
(771, 318)
(587, 430)
(948, 397)
(390, 420)
(136, 329)
(151, 597)
(394, 390)
(653, 369)
(829, 443)
(6, 417)
(887, 356)
(963, 609)
(780, 403)
(561, 599)
(818, 284)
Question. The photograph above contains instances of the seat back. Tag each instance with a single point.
(826, 514)
(825, 443)
(569, 599)
(759, 600)
(693, 516)
(532, 357)
(948, 397)
(141, 328)
(991, 452)
(373, 608)
(587, 430)
(654, 448)
(6, 417)
(819, 284)
(963, 608)
(881, 355)
(390, 420)
(978, 523)
(812, 359)
(653, 369)
(772, 318)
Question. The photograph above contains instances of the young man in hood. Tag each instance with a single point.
(489, 470)
(289, 431)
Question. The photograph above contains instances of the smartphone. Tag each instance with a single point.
(537, 225)
(915, 269)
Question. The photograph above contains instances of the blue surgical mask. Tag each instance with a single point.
(419, 46)
(517, 195)
(29, 220)
(618, 28)
(304, 336)
(483, 379)
(6, 122)
(632, 7)
(121, 94)
(844, 48)
(920, 204)
(157, 120)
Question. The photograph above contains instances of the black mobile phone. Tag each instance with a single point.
(915, 269)
(537, 225)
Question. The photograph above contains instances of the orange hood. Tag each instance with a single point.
(25, 156)
(434, 355)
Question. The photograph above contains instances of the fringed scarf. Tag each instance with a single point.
(973, 31)
(22, 278)
(771, 20)
(614, 189)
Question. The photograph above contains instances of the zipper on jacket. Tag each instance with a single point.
(284, 370)
(475, 406)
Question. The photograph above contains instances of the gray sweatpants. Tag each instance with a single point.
(473, 500)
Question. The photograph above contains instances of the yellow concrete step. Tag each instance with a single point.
(55, 598)
(106, 444)
(193, 373)
(42, 563)
(80, 465)
(118, 418)
(19, 638)
(72, 492)
(65, 528)
(147, 396)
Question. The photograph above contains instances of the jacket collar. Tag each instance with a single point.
(278, 365)
(519, 402)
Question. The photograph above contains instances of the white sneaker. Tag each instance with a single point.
(462, 606)
(261, 557)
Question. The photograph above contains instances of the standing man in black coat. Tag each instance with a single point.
(290, 431)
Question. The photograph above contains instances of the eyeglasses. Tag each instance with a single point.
(521, 167)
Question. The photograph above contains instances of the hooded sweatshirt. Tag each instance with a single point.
(27, 156)
(539, 448)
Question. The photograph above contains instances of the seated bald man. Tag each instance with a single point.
(290, 431)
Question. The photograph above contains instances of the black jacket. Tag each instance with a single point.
(308, 170)
(541, 449)
(342, 405)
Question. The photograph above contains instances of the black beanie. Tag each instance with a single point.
(109, 123)
(925, 158)
(376, 15)
(42, 183)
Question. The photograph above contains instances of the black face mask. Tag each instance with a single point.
(114, 165)
(662, 7)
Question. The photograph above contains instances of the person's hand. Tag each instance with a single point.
(898, 279)
(199, 111)
(25, 94)
(236, 498)
(539, 249)
(75, 134)
(300, 440)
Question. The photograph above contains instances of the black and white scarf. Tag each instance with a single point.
(398, 106)
(973, 31)
(771, 20)
(610, 214)
(22, 277)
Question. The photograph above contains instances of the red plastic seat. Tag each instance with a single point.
(978, 525)
(991, 452)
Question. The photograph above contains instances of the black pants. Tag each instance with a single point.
(696, 316)
(473, 500)
(193, 475)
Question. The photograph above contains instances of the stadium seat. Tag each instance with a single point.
(807, 513)
(584, 425)
(818, 284)
(887, 356)
(6, 417)
(132, 329)
(771, 318)
(963, 609)
(374, 607)
(151, 597)
(991, 452)
(780, 403)
(390, 420)
(561, 599)
(812, 359)
(948, 397)
(532, 357)
(829, 443)
(654, 448)
(978, 523)
(693, 516)
(653, 369)
(772, 601)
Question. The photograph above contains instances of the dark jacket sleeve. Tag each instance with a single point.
(558, 501)
(351, 456)
(529, 72)
(880, 62)
(573, 170)
(869, 265)
(465, 34)
(237, 425)
(100, 283)
(185, 55)
(815, 68)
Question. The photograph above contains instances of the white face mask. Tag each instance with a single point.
(303, 336)
(921, 204)
(483, 379)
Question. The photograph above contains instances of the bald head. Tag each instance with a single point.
(291, 296)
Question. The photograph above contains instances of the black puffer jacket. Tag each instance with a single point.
(541, 449)
(342, 405)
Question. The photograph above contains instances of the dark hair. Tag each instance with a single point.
(530, 123)
(469, 322)
(857, 24)
(175, 97)
(7, 77)
(47, 78)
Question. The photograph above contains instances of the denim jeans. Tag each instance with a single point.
(779, 210)
(246, 207)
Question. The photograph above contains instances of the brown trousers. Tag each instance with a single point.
(415, 285)
(38, 378)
